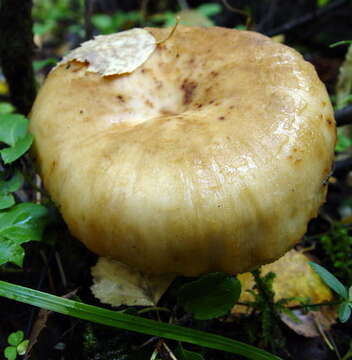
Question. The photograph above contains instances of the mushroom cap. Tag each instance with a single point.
(212, 155)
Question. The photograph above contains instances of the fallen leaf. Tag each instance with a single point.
(118, 284)
(311, 324)
(294, 279)
(114, 54)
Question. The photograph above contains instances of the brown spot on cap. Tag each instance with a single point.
(120, 98)
(166, 112)
(188, 87)
(149, 103)
(221, 118)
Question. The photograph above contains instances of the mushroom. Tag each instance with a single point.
(210, 154)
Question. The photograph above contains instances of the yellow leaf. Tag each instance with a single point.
(294, 278)
(118, 284)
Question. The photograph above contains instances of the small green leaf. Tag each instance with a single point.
(322, 3)
(43, 28)
(11, 251)
(12, 153)
(345, 311)
(343, 142)
(6, 187)
(12, 128)
(6, 108)
(13, 184)
(22, 348)
(330, 280)
(209, 9)
(182, 354)
(10, 353)
(210, 296)
(6, 201)
(15, 338)
(20, 224)
(350, 294)
(40, 64)
(103, 23)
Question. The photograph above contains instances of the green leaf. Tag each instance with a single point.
(22, 348)
(345, 311)
(343, 141)
(210, 9)
(6, 108)
(6, 187)
(20, 224)
(12, 153)
(330, 280)
(15, 338)
(10, 353)
(182, 354)
(13, 127)
(322, 3)
(210, 296)
(6, 201)
(39, 64)
(13, 132)
(350, 294)
(11, 185)
(43, 28)
(103, 23)
(130, 322)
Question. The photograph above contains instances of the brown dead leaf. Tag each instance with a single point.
(313, 323)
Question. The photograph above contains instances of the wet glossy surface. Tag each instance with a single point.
(210, 156)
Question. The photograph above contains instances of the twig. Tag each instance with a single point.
(171, 32)
(61, 269)
(344, 116)
(298, 307)
(305, 19)
(88, 27)
(322, 333)
(239, 12)
(42, 277)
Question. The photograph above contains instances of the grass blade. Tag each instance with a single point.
(130, 322)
